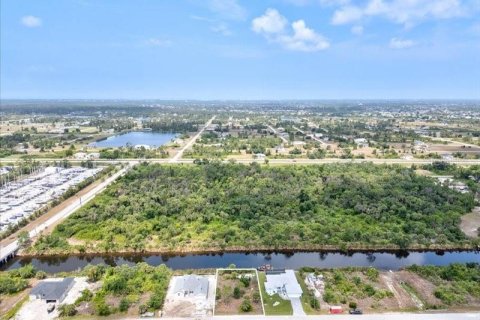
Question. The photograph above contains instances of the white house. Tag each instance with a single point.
(283, 283)
(191, 286)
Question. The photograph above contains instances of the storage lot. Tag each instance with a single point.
(21, 199)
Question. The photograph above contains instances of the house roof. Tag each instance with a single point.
(52, 290)
(191, 284)
(286, 280)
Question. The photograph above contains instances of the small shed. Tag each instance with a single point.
(336, 309)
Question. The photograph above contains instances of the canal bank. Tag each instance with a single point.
(290, 260)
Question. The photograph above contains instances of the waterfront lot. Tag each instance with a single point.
(36, 309)
(273, 304)
(237, 292)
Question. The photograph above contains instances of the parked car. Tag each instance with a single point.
(50, 307)
(355, 311)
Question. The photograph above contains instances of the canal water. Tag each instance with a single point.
(380, 260)
(152, 139)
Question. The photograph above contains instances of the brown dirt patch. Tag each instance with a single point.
(422, 287)
(403, 298)
(179, 309)
(471, 222)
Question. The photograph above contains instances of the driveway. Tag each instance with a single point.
(297, 307)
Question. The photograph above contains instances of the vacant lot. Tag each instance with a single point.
(237, 293)
(369, 289)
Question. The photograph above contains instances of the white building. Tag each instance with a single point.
(283, 283)
(191, 286)
(361, 142)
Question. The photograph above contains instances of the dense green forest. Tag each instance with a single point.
(232, 206)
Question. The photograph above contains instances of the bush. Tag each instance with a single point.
(314, 303)
(352, 305)
(41, 275)
(329, 297)
(9, 285)
(237, 294)
(124, 305)
(369, 290)
(142, 309)
(246, 306)
(86, 295)
(67, 310)
(245, 281)
(256, 297)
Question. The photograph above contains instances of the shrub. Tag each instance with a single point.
(246, 306)
(245, 281)
(352, 305)
(237, 294)
(142, 309)
(124, 305)
(9, 285)
(314, 303)
(256, 297)
(67, 310)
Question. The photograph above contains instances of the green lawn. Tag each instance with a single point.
(284, 308)
(306, 297)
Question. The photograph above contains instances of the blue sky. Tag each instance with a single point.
(233, 49)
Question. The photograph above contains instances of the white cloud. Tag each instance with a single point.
(271, 22)
(273, 26)
(156, 42)
(406, 12)
(221, 28)
(228, 9)
(357, 30)
(396, 43)
(346, 15)
(31, 21)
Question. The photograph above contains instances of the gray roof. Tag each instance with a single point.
(191, 285)
(52, 290)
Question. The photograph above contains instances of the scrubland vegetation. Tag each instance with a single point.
(216, 206)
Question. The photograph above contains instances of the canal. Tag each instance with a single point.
(380, 260)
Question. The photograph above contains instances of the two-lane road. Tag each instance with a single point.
(190, 143)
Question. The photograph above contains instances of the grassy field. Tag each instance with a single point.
(283, 308)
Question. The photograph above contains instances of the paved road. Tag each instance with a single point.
(282, 161)
(276, 132)
(13, 246)
(190, 143)
(383, 316)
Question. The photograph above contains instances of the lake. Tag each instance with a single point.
(380, 260)
(152, 139)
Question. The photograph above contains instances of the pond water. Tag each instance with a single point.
(152, 139)
(381, 260)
